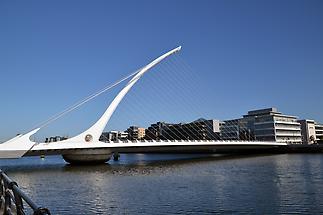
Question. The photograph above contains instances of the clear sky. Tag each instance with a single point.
(248, 54)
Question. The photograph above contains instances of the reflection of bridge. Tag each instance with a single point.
(86, 146)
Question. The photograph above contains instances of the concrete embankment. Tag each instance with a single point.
(302, 148)
(292, 148)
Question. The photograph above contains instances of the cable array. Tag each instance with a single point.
(174, 86)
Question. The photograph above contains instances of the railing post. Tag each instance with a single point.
(12, 198)
(7, 203)
(2, 199)
(18, 199)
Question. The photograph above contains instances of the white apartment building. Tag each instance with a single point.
(319, 131)
(270, 125)
(308, 131)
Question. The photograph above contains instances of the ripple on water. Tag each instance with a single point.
(141, 184)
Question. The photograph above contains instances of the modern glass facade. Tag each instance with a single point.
(271, 125)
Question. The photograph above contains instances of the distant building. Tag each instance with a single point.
(157, 131)
(308, 131)
(55, 139)
(200, 129)
(136, 133)
(211, 128)
(270, 125)
(319, 132)
(113, 136)
(236, 129)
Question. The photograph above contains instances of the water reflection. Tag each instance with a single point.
(160, 184)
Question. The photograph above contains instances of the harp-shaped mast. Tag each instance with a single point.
(95, 131)
(18, 146)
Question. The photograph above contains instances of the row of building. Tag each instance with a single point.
(270, 125)
(262, 125)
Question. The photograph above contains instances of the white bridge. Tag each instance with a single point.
(86, 146)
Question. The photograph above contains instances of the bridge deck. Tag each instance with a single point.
(150, 147)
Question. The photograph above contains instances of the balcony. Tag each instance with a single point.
(287, 128)
(287, 134)
(287, 122)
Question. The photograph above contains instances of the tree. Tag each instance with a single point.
(312, 139)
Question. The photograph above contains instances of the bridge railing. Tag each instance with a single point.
(184, 140)
(12, 199)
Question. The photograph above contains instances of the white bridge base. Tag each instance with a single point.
(92, 156)
(99, 152)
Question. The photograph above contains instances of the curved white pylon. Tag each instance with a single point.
(17, 146)
(95, 131)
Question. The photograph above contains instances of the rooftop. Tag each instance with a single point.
(267, 111)
(263, 111)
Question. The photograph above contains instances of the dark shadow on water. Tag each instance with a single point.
(33, 168)
(130, 162)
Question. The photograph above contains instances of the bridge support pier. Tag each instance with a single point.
(88, 157)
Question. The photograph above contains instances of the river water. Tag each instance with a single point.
(175, 184)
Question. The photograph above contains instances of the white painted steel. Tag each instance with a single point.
(111, 145)
(17, 146)
(89, 139)
(96, 130)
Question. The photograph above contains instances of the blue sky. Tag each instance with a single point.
(247, 54)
